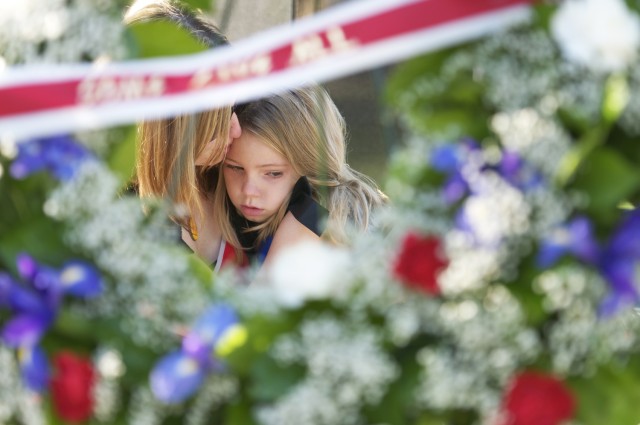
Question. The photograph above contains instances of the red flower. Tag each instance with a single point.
(72, 386)
(419, 263)
(537, 399)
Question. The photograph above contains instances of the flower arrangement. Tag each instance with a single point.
(498, 288)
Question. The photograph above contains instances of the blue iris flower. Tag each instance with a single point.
(519, 173)
(59, 155)
(449, 159)
(179, 374)
(34, 301)
(575, 237)
(619, 265)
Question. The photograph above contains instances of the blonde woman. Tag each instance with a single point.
(177, 158)
(289, 164)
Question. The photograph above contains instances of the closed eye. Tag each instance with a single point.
(234, 168)
(275, 174)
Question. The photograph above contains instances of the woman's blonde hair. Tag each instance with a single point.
(305, 126)
(167, 148)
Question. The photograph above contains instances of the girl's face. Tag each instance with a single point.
(258, 179)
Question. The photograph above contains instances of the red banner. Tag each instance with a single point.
(345, 39)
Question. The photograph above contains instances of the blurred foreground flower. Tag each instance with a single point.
(59, 155)
(537, 399)
(179, 374)
(603, 35)
(71, 387)
(419, 263)
(35, 303)
(308, 271)
(619, 265)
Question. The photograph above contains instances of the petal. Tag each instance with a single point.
(176, 377)
(6, 286)
(24, 330)
(27, 267)
(549, 253)
(212, 324)
(29, 160)
(34, 368)
(81, 279)
(25, 300)
(583, 244)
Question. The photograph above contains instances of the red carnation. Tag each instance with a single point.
(72, 386)
(537, 399)
(419, 263)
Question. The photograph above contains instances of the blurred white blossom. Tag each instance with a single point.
(603, 35)
(308, 271)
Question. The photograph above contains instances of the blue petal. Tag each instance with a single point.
(6, 286)
(445, 158)
(29, 159)
(583, 245)
(27, 267)
(549, 253)
(454, 188)
(80, 279)
(25, 300)
(34, 368)
(24, 330)
(210, 326)
(626, 241)
(176, 377)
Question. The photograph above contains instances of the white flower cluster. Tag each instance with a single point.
(603, 35)
(346, 369)
(580, 340)
(491, 342)
(150, 284)
(55, 31)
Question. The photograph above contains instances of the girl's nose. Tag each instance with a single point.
(249, 187)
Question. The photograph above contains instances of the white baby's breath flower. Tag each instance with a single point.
(603, 35)
(307, 271)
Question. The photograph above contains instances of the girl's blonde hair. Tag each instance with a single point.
(305, 126)
(167, 149)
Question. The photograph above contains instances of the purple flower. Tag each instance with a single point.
(34, 368)
(449, 159)
(575, 237)
(176, 377)
(34, 303)
(60, 155)
(514, 169)
(179, 374)
(618, 264)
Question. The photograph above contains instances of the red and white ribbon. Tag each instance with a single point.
(353, 37)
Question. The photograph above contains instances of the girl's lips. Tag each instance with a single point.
(250, 211)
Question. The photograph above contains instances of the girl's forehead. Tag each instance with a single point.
(253, 150)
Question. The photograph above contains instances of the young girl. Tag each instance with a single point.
(289, 160)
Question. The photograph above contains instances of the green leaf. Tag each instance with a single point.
(608, 179)
(204, 5)
(200, 270)
(610, 396)
(41, 237)
(122, 157)
(154, 39)
(269, 380)
(616, 97)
